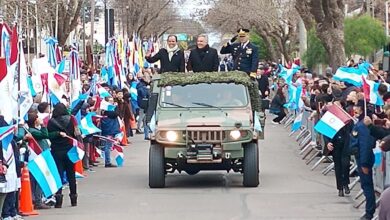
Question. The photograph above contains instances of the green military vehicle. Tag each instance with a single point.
(204, 121)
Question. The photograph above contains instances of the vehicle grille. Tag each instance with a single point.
(206, 136)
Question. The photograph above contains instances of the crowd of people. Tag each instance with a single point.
(52, 125)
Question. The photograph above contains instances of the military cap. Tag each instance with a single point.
(243, 32)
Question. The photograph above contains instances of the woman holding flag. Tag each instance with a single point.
(63, 123)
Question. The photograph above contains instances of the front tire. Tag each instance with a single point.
(156, 166)
(251, 165)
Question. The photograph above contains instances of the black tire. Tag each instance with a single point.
(156, 166)
(251, 165)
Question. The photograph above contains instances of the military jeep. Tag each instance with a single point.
(204, 121)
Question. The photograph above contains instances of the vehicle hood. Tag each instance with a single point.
(180, 119)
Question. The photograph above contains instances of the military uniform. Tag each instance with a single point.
(364, 143)
(245, 55)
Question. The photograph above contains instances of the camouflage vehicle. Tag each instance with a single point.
(204, 121)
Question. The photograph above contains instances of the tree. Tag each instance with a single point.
(259, 42)
(274, 21)
(145, 17)
(315, 53)
(363, 35)
(328, 15)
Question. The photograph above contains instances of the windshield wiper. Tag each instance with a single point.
(208, 105)
(176, 105)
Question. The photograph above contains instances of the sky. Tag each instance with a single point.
(191, 6)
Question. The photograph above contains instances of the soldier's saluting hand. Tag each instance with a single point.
(245, 54)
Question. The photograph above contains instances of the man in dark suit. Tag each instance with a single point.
(172, 58)
(245, 54)
(203, 58)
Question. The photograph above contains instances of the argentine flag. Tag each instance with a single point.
(117, 152)
(350, 75)
(332, 121)
(76, 153)
(297, 123)
(44, 170)
(87, 126)
(371, 93)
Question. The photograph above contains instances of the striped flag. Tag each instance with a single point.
(350, 75)
(98, 153)
(6, 135)
(76, 153)
(45, 171)
(332, 121)
(371, 93)
(297, 123)
(60, 78)
(117, 152)
(103, 93)
(104, 105)
(87, 126)
(14, 45)
(35, 149)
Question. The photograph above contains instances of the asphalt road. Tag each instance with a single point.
(288, 190)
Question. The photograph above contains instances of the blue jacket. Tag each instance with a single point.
(366, 143)
(110, 124)
(245, 59)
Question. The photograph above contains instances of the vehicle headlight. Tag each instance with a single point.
(171, 136)
(235, 134)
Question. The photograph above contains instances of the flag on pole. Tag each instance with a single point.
(332, 121)
(350, 75)
(60, 78)
(34, 148)
(76, 153)
(45, 171)
(6, 135)
(87, 126)
(103, 92)
(370, 89)
(104, 105)
(3, 68)
(297, 122)
(117, 152)
(14, 45)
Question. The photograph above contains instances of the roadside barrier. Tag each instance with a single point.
(311, 149)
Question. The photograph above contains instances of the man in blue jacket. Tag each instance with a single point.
(364, 142)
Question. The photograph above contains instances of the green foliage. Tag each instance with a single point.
(259, 42)
(237, 77)
(363, 35)
(315, 53)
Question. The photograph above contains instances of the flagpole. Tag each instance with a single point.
(19, 57)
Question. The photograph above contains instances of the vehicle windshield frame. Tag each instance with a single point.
(244, 98)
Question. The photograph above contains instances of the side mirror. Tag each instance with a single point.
(152, 105)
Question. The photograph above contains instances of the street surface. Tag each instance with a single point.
(288, 190)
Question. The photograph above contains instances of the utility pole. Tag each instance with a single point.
(302, 38)
(84, 32)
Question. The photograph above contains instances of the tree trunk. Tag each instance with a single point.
(269, 45)
(329, 18)
(333, 41)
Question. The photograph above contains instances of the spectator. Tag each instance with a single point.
(63, 125)
(110, 128)
(277, 106)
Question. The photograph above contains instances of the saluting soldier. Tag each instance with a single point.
(245, 54)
